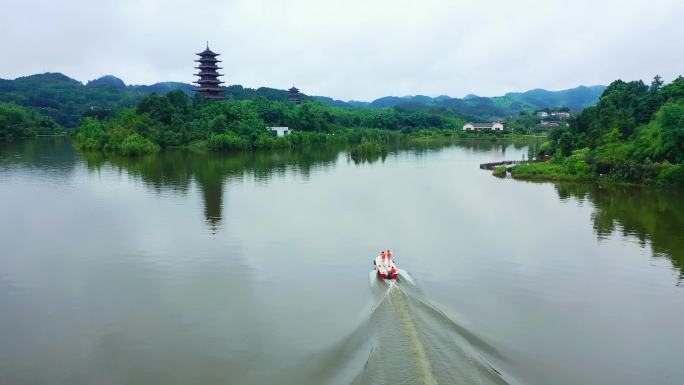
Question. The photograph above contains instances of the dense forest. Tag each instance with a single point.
(176, 120)
(20, 122)
(65, 100)
(634, 134)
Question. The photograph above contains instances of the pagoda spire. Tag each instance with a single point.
(208, 83)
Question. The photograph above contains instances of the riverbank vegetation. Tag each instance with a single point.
(635, 134)
(174, 120)
(368, 150)
(20, 122)
(500, 172)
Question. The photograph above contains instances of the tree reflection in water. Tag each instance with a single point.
(175, 170)
(655, 217)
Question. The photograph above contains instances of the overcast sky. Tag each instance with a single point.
(350, 49)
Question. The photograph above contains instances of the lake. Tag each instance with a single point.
(186, 268)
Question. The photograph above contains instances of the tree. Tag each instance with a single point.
(672, 126)
(565, 144)
(656, 84)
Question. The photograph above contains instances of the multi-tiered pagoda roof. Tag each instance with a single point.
(293, 95)
(208, 83)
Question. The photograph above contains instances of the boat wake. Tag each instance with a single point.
(405, 340)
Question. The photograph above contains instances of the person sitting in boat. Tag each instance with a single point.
(390, 263)
(382, 259)
(388, 259)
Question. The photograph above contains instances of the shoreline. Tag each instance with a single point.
(546, 171)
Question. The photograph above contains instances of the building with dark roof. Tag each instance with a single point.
(294, 96)
(208, 83)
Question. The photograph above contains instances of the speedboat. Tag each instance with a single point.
(385, 268)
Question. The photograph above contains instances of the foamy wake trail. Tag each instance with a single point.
(405, 341)
(413, 342)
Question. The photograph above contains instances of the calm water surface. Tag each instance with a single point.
(255, 269)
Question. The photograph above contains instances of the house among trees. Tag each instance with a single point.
(549, 123)
(208, 84)
(493, 126)
(294, 96)
(560, 114)
(280, 131)
(556, 114)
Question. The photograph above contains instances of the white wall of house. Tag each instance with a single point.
(496, 126)
(280, 131)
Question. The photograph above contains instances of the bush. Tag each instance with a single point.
(565, 144)
(135, 145)
(228, 142)
(368, 148)
(500, 172)
(91, 135)
(576, 164)
(671, 176)
(545, 149)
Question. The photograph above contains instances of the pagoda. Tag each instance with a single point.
(294, 96)
(208, 84)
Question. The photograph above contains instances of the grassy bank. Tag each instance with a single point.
(582, 166)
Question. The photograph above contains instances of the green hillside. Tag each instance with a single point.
(485, 108)
(634, 134)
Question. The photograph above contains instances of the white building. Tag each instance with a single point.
(494, 126)
(280, 131)
(561, 114)
(542, 114)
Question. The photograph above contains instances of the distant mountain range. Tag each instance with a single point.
(66, 99)
(576, 99)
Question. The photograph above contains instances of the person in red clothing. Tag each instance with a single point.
(390, 264)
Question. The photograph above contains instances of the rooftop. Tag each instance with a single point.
(207, 52)
(482, 124)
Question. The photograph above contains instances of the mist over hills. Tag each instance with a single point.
(65, 99)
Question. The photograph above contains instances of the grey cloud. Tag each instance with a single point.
(353, 49)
